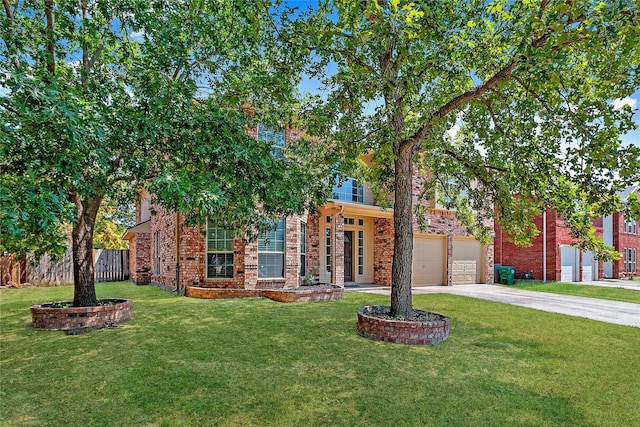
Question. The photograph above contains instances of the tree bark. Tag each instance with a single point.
(82, 240)
(401, 304)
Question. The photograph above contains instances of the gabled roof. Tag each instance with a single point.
(624, 194)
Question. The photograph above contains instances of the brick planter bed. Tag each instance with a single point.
(305, 294)
(376, 327)
(48, 316)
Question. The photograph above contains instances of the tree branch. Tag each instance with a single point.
(532, 92)
(458, 101)
(51, 64)
(7, 11)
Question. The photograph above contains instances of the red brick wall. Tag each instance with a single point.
(383, 233)
(531, 258)
(622, 240)
(140, 258)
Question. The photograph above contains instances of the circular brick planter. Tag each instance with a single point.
(304, 295)
(378, 328)
(48, 316)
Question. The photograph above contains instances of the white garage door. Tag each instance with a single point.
(467, 261)
(567, 264)
(428, 261)
(588, 267)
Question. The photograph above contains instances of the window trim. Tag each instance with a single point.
(303, 249)
(327, 250)
(360, 252)
(226, 252)
(356, 191)
(276, 146)
(156, 254)
(283, 252)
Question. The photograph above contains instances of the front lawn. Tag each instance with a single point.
(602, 292)
(190, 362)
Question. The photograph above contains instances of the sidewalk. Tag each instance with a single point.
(620, 313)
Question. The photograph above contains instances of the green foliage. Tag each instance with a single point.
(121, 95)
(504, 105)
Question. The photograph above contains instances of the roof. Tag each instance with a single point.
(143, 227)
(624, 194)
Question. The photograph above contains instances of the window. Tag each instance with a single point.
(219, 253)
(631, 227)
(156, 253)
(274, 137)
(271, 253)
(327, 234)
(303, 249)
(360, 251)
(349, 191)
(349, 221)
(360, 222)
(630, 257)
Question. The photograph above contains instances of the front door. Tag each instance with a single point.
(348, 266)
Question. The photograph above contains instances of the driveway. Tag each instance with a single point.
(621, 313)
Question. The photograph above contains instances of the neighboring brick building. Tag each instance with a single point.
(350, 239)
(565, 262)
(562, 261)
(623, 235)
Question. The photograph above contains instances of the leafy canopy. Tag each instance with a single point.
(102, 98)
(504, 106)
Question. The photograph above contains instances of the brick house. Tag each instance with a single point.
(552, 256)
(623, 235)
(348, 240)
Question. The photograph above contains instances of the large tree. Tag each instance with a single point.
(99, 98)
(503, 107)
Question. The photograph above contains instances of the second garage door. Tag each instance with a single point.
(428, 261)
(467, 261)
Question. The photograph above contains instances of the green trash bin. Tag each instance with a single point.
(507, 275)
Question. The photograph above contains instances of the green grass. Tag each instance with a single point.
(602, 292)
(190, 362)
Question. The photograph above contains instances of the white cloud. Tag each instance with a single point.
(619, 103)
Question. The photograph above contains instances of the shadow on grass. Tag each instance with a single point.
(188, 362)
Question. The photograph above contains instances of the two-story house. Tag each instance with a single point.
(348, 240)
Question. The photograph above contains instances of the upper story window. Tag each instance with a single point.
(349, 191)
(274, 137)
(631, 227)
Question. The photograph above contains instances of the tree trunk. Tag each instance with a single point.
(82, 240)
(403, 226)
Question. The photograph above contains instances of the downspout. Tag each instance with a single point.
(177, 254)
(544, 245)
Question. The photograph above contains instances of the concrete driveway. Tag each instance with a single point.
(621, 313)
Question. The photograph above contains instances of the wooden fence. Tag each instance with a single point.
(110, 266)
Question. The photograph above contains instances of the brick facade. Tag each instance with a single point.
(140, 258)
(530, 258)
(188, 253)
(623, 239)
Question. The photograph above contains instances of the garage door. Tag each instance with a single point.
(567, 264)
(467, 262)
(428, 261)
(588, 267)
